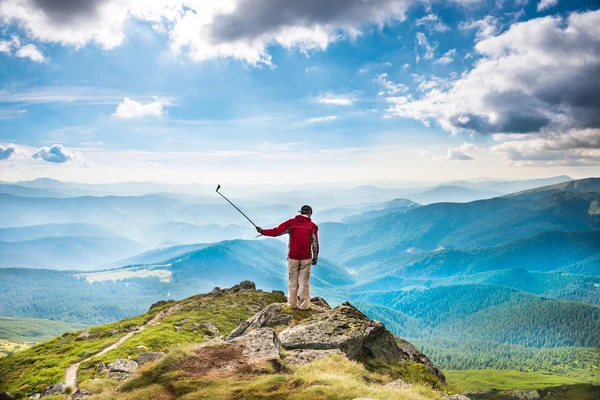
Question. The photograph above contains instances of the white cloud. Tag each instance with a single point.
(390, 88)
(433, 23)
(460, 153)
(337, 99)
(32, 52)
(540, 75)
(56, 154)
(321, 119)
(5, 46)
(429, 49)
(485, 27)
(208, 29)
(129, 109)
(545, 4)
(447, 58)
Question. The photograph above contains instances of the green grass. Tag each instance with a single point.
(44, 364)
(478, 380)
(21, 330)
(331, 378)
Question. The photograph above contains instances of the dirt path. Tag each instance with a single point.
(71, 372)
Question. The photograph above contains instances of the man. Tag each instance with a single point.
(303, 252)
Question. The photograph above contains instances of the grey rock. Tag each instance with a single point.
(161, 303)
(184, 321)
(211, 328)
(119, 376)
(455, 397)
(216, 290)
(235, 288)
(319, 301)
(271, 315)
(398, 384)
(100, 367)
(124, 365)
(262, 342)
(347, 329)
(523, 394)
(304, 356)
(114, 331)
(247, 285)
(6, 396)
(35, 396)
(178, 328)
(143, 358)
(54, 390)
(81, 394)
(84, 335)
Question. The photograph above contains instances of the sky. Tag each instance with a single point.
(276, 91)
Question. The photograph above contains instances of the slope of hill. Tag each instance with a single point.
(465, 226)
(189, 269)
(511, 186)
(39, 231)
(363, 357)
(78, 253)
(452, 194)
(577, 186)
(24, 191)
(21, 330)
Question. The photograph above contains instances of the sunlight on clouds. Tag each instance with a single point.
(132, 109)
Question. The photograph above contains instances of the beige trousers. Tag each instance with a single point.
(299, 283)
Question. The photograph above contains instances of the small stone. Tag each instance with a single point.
(114, 331)
(100, 367)
(398, 384)
(119, 376)
(211, 328)
(84, 335)
(54, 390)
(178, 328)
(144, 358)
(35, 396)
(124, 365)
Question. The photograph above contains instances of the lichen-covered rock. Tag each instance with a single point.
(53, 390)
(304, 356)
(119, 376)
(398, 384)
(144, 358)
(271, 315)
(123, 365)
(319, 301)
(247, 285)
(84, 335)
(262, 342)
(211, 328)
(359, 337)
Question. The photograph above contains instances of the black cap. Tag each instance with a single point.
(306, 210)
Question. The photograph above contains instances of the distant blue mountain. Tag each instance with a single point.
(39, 231)
(452, 194)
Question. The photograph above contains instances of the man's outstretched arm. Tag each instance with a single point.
(280, 230)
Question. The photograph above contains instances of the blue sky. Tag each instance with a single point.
(253, 91)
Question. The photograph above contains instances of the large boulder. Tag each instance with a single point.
(353, 333)
(261, 343)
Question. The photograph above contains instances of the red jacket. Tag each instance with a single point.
(304, 237)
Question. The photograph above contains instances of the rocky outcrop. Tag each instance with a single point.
(144, 358)
(53, 390)
(263, 343)
(161, 303)
(271, 315)
(353, 333)
(213, 330)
